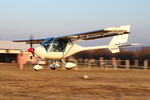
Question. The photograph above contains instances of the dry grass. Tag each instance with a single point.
(27, 84)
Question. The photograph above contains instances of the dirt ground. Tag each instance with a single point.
(26, 84)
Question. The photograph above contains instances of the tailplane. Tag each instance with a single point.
(125, 28)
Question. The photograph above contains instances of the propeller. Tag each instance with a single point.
(31, 49)
(31, 40)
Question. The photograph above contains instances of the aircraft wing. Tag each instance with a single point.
(107, 32)
(33, 41)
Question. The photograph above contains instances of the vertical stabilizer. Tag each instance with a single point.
(113, 45)
(119, 39)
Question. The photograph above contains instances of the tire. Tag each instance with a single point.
(68, 68)
(36, 70)
(53, 68)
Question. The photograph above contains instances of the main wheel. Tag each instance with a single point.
(53, 66)
(68, 68)
(36, 69)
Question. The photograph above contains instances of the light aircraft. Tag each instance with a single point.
(58, 48)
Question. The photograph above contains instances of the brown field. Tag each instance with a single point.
(27, 84)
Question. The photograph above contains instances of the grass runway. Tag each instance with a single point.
(26, 84)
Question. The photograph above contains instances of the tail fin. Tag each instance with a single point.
(119, 39)
(114, 44)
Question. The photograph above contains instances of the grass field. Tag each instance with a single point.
(26, 84)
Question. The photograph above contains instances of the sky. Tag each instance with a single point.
(46, 18)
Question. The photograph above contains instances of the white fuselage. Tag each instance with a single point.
(70, 50)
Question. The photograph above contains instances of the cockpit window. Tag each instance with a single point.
(47, 42)
(55, 45)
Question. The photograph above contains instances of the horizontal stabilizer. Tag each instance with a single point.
(126, 45)
(115, 48)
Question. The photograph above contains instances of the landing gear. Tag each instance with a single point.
(53, 68)
(68, 68)
(70, 65)
(36, 70)
(37, 67)
(54, 65)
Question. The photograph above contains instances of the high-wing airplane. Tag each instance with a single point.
(58, 48)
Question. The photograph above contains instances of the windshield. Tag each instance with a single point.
(55, 45)
(47, 43)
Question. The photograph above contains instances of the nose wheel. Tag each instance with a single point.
(53, 66)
